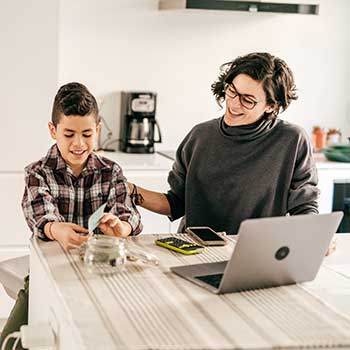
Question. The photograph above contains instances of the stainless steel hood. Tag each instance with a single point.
(308, 7)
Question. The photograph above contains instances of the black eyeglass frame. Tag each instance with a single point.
(235, 93)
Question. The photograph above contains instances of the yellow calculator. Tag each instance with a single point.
(179, 245)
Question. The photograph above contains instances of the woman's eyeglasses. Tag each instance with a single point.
(246, 101)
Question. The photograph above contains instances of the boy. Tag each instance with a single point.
(64, 188)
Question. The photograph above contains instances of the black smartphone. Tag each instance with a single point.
(205, 235)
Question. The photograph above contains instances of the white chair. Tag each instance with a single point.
(12, 273)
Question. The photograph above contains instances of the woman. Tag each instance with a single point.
(246, 164)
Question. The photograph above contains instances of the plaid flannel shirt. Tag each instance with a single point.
(53, 193)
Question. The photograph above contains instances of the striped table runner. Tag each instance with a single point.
(147, 307)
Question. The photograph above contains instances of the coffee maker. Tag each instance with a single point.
(138, 122)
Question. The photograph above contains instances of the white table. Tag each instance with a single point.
(151, 305)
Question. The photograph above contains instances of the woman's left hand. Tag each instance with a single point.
(332, 246)
(111, 225)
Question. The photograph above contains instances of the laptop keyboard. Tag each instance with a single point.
(213, 280)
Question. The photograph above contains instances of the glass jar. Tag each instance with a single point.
(105, 254)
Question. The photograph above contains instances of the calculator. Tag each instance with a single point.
(179, 245)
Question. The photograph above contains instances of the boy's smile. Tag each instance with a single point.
(76, 137)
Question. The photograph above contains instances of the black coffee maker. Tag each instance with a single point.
(138, 122)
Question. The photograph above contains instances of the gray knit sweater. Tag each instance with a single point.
(223, 175)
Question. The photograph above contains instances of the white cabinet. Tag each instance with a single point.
(152, 180)
(151, 172)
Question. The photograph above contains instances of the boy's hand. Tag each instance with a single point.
(67, 234)
(111, 225)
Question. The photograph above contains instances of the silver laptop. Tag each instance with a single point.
(269, 252)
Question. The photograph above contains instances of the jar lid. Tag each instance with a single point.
(105, 242)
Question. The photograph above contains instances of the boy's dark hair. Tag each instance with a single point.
(74, 99)
(276, 77)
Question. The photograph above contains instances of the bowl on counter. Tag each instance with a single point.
(338, 153)
(342, 148)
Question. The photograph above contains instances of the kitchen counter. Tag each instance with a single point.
(163, 160)
(323, 163)
(136, 161)
(168, 154)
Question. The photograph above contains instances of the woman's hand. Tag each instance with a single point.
(69, 235)
(111, 225)
(332, 247)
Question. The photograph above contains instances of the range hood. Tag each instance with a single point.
(308, 7)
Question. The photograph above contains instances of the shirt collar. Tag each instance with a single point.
(55, 161)
(94, 162)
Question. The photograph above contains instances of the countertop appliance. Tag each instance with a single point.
(138, 122)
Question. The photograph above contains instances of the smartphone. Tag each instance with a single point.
(205, 235)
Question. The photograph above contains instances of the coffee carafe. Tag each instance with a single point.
(138, 122)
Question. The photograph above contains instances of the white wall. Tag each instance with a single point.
(28, 78)
(119, 45)
(28, 81)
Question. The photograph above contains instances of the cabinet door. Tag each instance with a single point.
(14, 229)
(156, 181)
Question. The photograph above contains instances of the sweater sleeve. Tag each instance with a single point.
(177, 182)
(303, 192)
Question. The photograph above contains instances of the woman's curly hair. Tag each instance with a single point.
(276, 77)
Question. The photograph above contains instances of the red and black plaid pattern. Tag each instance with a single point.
(53, 193)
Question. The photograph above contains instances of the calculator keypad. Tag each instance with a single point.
(179, 243)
